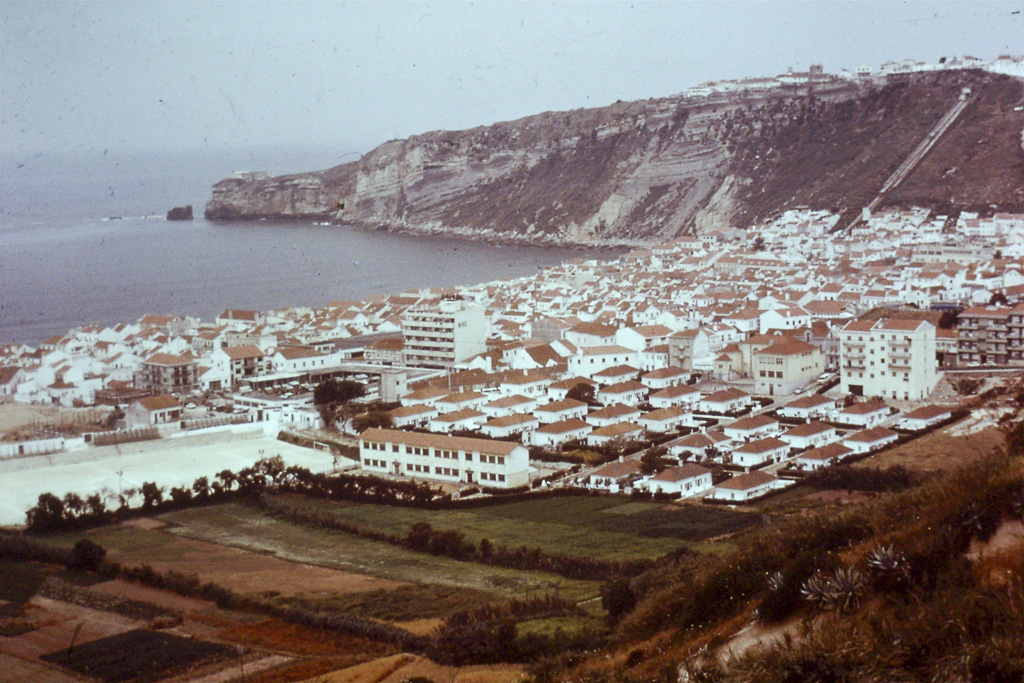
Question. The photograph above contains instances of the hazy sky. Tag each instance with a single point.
(124, 76)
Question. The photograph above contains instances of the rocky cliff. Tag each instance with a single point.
(653, 169)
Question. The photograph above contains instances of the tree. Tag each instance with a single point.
(948, 320)
(73, 505)
(374, 418)
(201, 487)
(653, 459)
(272, 467)
(96, 505)
(998, 298)
(152, 495)
(227, 479)
(334, 391)
(181, 495)
(330, 397)
(113, 417)
(47, 514)
(581, 392)
(86, 555)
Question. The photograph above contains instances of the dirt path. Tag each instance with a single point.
(756, 634)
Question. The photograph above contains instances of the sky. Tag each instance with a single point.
(127, 76)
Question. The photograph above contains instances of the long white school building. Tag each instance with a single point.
(497, 464)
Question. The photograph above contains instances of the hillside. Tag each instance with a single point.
(877, 572)
(654, 169)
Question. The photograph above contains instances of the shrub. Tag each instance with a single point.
(86, 555)
(618, 598)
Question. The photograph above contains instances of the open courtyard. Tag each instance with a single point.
(167, 462)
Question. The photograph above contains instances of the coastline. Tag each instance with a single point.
(487, 236)
(59, 276)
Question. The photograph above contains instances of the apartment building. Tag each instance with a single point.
(786, 366)
(454, 459)
(169, 373)
(441, 336)
(991, 335)
(241, 362)
(891, 358)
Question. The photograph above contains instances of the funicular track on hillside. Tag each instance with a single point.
(919, 153)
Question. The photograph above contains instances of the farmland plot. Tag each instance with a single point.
(603, 528)
(138, 655)
(241, 527)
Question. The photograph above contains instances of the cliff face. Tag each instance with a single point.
(649, 170)
(627, 171)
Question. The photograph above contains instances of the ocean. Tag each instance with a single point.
(83, 240)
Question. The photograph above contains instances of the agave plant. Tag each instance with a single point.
(845, 590)
(1017, 502)
(887, 561)
(842, 591)
(889, 569)
(815, 590)
(775, 581)
(973, 518)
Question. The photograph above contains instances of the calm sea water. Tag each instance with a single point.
(83, 240)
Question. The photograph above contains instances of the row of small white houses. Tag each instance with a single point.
(500, 464)
(549, 419)
(752, 441)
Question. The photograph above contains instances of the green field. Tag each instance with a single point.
(242, 527)
(603, 527)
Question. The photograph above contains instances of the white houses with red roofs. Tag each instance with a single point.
(556, 433)
(810, 435)
(760, 451)
(685, 480)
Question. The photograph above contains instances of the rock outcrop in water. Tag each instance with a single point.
(650, 170)
(180, 213)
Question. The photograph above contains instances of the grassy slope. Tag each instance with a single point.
(955, 618)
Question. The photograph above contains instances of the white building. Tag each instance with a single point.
(685, 480)
(593, 359)
(510, 426)
(748, 487)
(726, 401)
(557, 433)
(810, 435)
(891, 358)
(678, 395)
(812, 405)
(866, 414)
(870, 439)
(616, 476)
(823, 456)
(754, 453)
(751, 427)
(497, 464)
(925, 417)
(441, 336)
